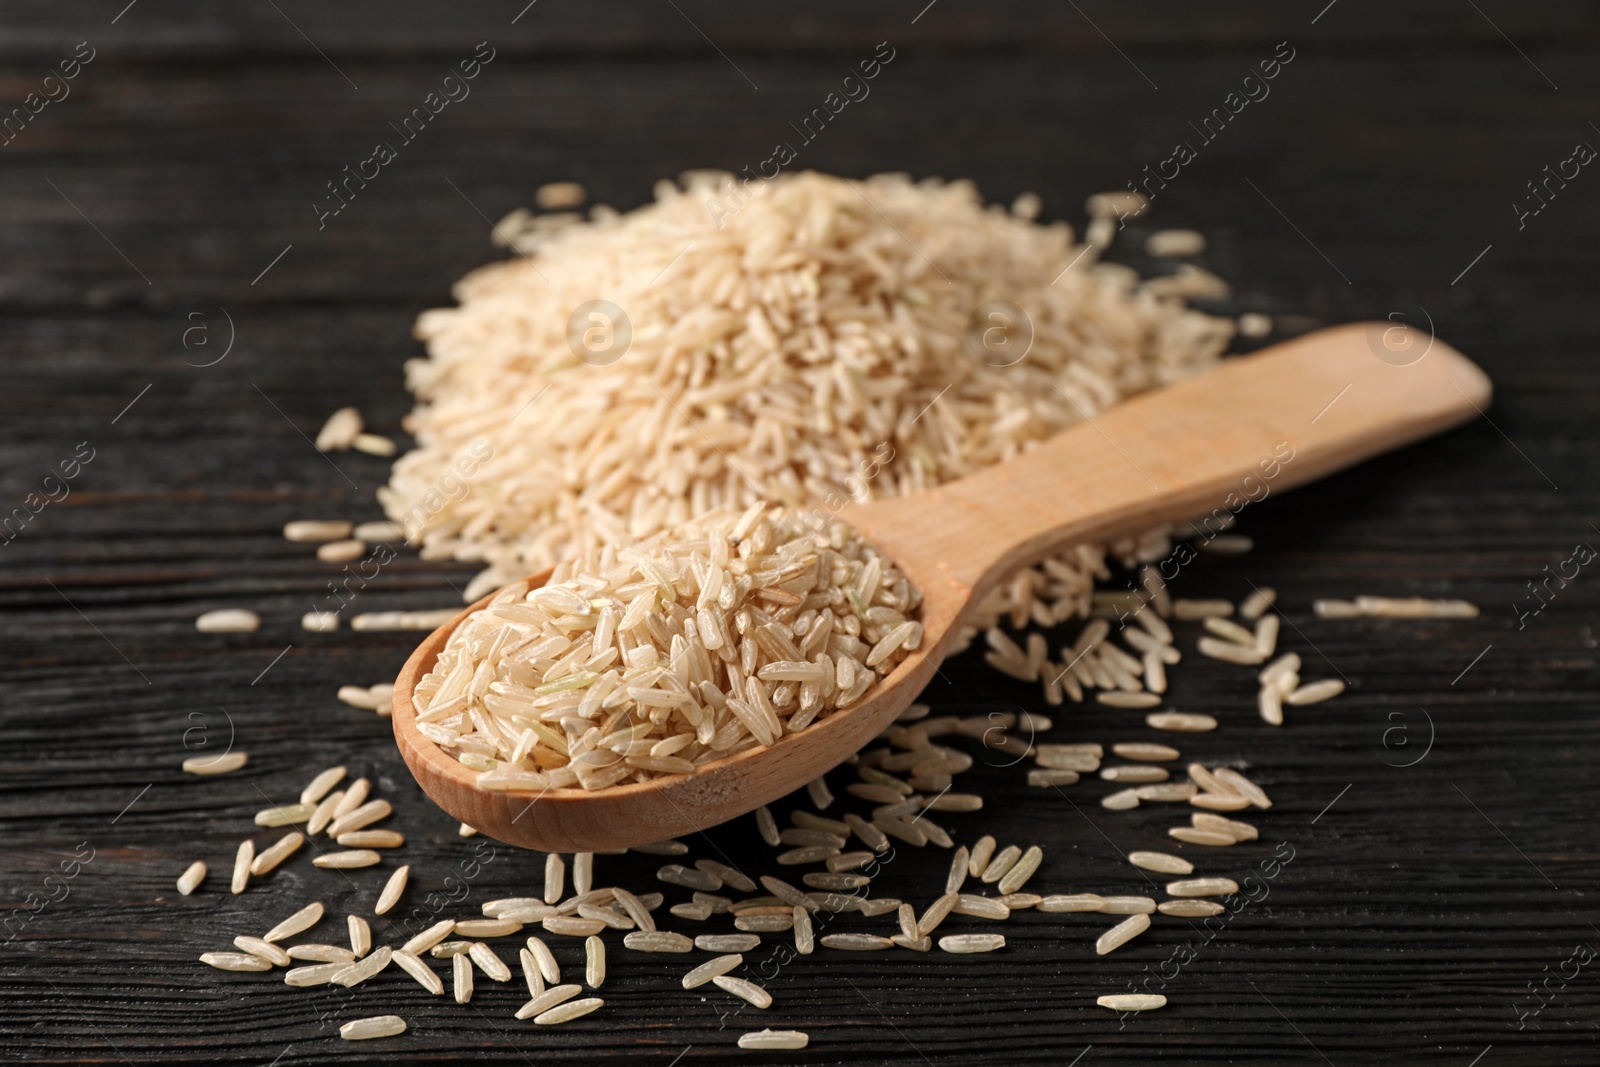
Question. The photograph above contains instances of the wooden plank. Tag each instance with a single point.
(192, 28)
(1421, 902)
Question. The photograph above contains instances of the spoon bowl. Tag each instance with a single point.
(1208, 446)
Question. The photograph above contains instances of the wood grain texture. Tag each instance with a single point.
(1419, 906)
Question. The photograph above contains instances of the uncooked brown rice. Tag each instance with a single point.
(1122, 933)
(226, 763)
(191, 877)
(241, 865)
(774, 1039)
(844, 296)
(716, 636)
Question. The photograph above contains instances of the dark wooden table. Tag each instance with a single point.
(1441, 912)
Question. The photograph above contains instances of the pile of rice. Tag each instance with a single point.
(831, 340)
(654, 659)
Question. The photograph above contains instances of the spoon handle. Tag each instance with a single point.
(1199, 450)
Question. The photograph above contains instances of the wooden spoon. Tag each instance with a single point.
(1205, 447)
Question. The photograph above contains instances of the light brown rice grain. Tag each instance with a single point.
(420, 971)
(1003, 861)
(356, 973)
(321, 953)
(545, 959)
(1044, 778)
(313, 531)
(1121, 934)
(392, 889)
(1121, 800)
(1015, 878)
(226, 763)
(228, 621)
(1141, 750)
(1220, 801)
(1190, 909)
(371, 839)
(1254, 324)
(1182, 722)
(358, 818)
(1315, 692)
(745, 990)
(657, 941)
(1270, 705)
(959, 864)
(572, 1009)
(1135, 773)
(1256, 604)
(1169, 244)
(1243, 786)
(492, 965)
(936, 913)
(319, 786)
(296, 923)
(689, 878)
(1163, 862)
(339, 432)
(434, 934)
(286, 815)
(1167, 792)
(357, 696)
(265, 949)
(1201, 609)
(1119, 699)
(1202, 887)
(1414, 608)
(373, 444)
(1266, 635)
(546, 999)
(969, 943)
(1132, 1001)
(1230, 651)
(355, 857)
(1128, 905)
(234, 962)
(341, 551)
(856, 942)
(635, 909)
(530, 972)
(710, 969)
(571, 926)
(360, 935)
(1199, 837)
(981, 907)
(774, 1039)
(322, 818)
(555, 877)
(804, 935)
(1241, 831)
(1072, 902)
(982, 853)
(191, 877)
(1229, 630)
(315, 975)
